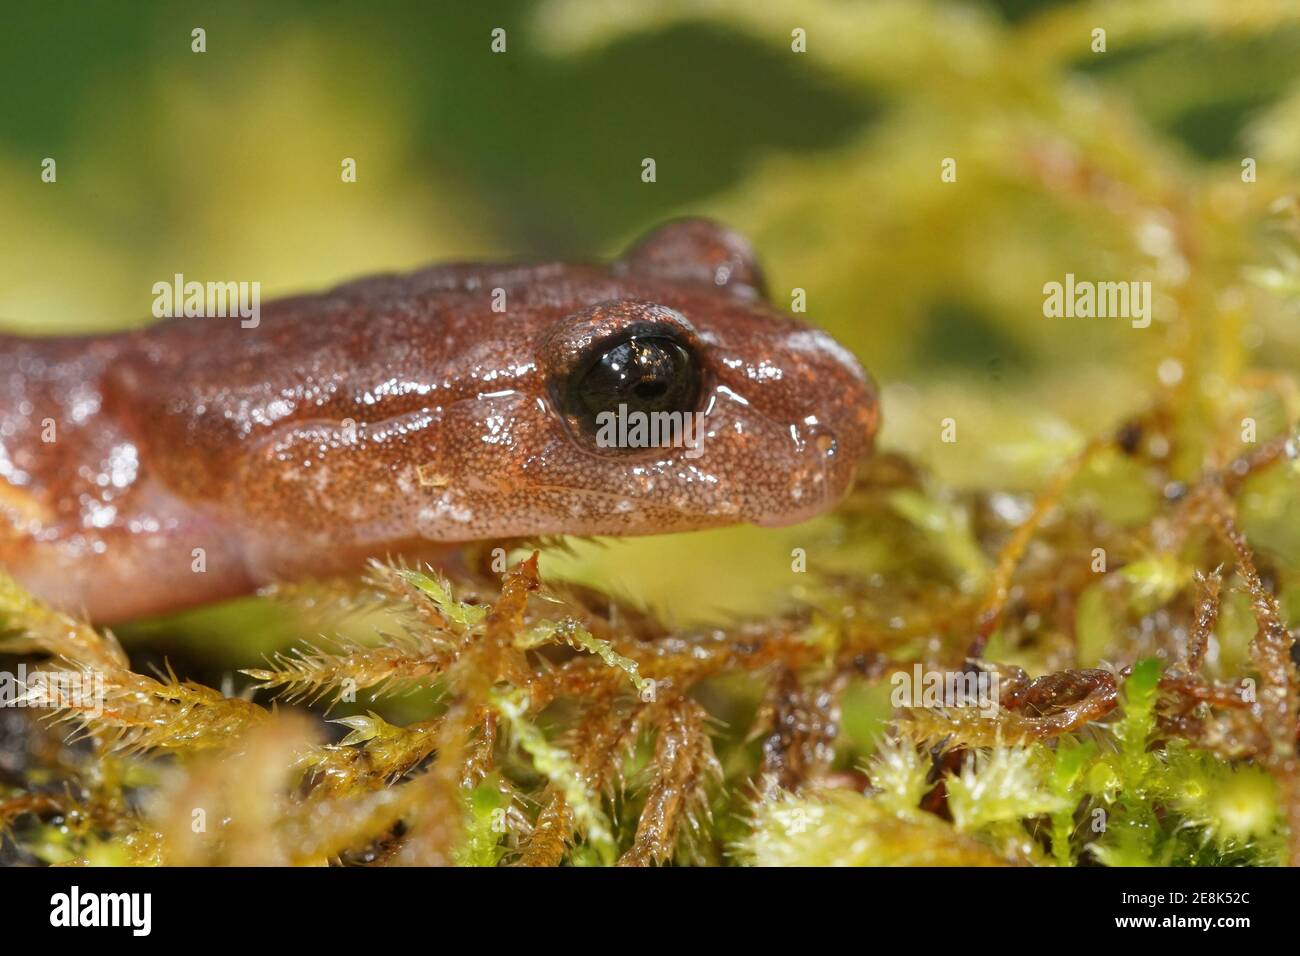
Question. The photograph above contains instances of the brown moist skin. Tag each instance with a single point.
(401, 415)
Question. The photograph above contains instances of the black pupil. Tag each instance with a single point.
(643, 373)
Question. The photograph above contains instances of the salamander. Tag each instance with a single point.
(147, 471)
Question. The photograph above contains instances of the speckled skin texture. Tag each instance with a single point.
(401, 415)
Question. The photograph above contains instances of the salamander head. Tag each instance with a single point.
(685, 401)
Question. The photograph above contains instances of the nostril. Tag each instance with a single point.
(825, 443)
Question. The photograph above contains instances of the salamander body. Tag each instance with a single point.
(198, 459)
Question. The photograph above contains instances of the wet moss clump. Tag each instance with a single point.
(562, 727)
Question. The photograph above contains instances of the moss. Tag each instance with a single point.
(570, 731)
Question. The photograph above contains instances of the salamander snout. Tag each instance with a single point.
(818, 412)
(712, 411)
(678, 398)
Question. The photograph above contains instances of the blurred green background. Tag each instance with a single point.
(1123, 164)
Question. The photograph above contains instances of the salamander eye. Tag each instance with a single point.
(648, 373)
